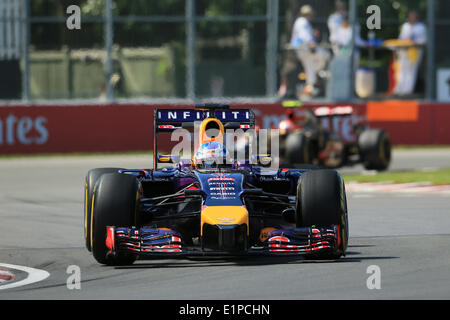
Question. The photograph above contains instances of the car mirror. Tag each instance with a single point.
(289, 215)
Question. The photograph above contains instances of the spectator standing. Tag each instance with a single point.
(413, 33)
(342, 36)
(336, 19)
(312, 57)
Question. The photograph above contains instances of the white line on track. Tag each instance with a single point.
(34, 275)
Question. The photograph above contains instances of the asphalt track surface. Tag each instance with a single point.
(412, 159)
(41, 226)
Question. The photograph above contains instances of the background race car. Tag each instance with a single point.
(305, 139)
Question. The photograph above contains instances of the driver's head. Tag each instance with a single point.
(212, 154)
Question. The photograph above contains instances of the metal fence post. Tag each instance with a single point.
(109, 38)
(26, 51)
(272, 47)
(190, 49)
(430, 75)
(353, 21)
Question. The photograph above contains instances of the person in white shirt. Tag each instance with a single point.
(341, 40)
(336, 19)
(342, 36)
(312, 57)
(409, 58)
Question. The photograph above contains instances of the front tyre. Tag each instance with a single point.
(115, 203)
(322, 202)
(91, 178)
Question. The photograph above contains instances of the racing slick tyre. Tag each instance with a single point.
(115, 203)
(298, 149)
(321, 202)
(89, 182)
(375, 149)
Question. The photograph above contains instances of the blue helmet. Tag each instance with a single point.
(212, 154)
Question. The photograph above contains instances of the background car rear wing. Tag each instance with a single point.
(333, 111)
(169, 120)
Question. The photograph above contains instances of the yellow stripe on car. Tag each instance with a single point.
(86, 217)
(92, 219)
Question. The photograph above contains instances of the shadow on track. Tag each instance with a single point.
(200, 262)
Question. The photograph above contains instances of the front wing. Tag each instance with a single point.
(151, 242)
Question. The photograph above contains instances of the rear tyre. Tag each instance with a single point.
(322, 202)
(298, 149)
(375, 149)
(115, 203)
(89, 183)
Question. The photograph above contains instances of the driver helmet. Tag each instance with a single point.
(310, 119)
(212, 154)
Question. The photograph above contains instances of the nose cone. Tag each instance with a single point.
(224, 215)
(224, 228)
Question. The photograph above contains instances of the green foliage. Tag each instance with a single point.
(93, 7)
(393, 13)
(440, 176)
(149, 8)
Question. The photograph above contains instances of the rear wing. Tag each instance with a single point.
(333, 111)
(169, 120)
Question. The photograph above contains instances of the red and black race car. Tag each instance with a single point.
(211, 204)
(307, 137)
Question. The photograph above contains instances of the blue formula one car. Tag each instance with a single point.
(209, 207)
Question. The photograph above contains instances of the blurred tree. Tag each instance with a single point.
(392, 10)
(46, 35)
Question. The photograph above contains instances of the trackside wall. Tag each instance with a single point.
(128, 127)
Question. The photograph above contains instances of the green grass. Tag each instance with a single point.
(428, 146)
(439, 176)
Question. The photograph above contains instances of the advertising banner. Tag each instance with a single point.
(120, 127)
